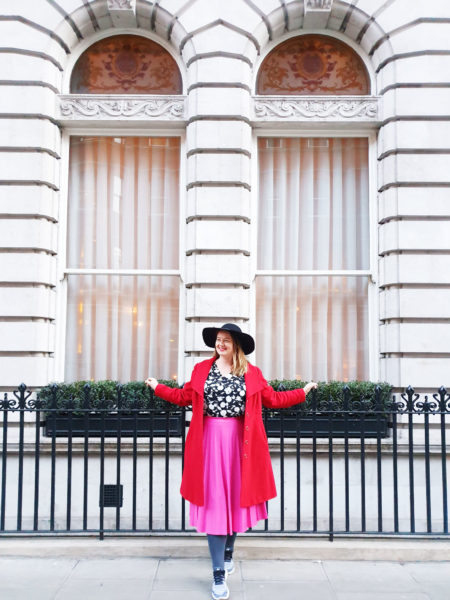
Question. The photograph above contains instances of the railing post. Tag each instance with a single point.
(37, 434)
(426, 410)
(150, 457)
(314, 456)
(346, 408)
(330, 410)
(362, 416)
(395, 463)
(183, 441)
(378, 411)
(86, 410)
(53, 406)
(22, 388)
(118, 449)
(410, 409)
(281, 388)
(102, 408)
(70, 408)
(135, 410)
(444, 405)
(5, 408)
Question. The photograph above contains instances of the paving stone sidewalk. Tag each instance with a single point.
(189, 579)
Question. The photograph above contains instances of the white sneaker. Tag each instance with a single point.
(219, 590)
(229, 567)
(228, 563)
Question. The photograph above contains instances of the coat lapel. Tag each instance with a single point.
(200, 375)
(254, 381)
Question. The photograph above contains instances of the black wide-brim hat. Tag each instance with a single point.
(245, 340)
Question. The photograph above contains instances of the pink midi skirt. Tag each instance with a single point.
(222, 449)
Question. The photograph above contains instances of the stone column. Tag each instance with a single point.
(31, 67)
(218, 145)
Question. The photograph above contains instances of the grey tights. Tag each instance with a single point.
(217, 545)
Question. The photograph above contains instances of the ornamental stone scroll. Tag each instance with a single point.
(90, 107)
(316, 108)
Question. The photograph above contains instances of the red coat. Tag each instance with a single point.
(257, 484)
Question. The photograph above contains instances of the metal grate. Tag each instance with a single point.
(111, 495)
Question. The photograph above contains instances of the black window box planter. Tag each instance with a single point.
(322, 425)
(144, 425)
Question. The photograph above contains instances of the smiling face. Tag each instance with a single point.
(225, 345)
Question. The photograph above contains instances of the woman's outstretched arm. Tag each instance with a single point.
(273, 399)
(181, 396)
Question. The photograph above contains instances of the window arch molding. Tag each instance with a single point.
(86, 44)
(361, 111)
(326, 33)
(121, 109)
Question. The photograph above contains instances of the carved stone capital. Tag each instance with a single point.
(122, 5)
(318, 5)
(316, 108)
(124, 108)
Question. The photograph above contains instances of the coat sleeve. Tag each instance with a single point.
(272, 399)
(181, 396)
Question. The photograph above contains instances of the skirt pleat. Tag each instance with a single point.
(222, 454)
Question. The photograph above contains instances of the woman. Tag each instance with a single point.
(227, 475)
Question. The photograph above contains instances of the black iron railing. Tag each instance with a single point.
(342, 467)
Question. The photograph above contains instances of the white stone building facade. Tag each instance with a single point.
(219, 120)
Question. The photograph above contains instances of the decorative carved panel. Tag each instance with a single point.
(78, 107)
(313, 64)
(318, 108)
(126, 64)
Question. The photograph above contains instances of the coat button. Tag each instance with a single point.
(246, 441)
(245, 456)
(247, 427)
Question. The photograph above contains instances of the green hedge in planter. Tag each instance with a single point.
(330, 395)
(104, 394)
(135, 394)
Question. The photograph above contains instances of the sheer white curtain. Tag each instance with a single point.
(123, 213)
(313, 214)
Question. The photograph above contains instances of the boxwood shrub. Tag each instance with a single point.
(330, 394)
(135, 394)
(103, 394)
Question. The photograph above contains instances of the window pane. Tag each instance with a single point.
(123, 328)
(312, 327)
(313, 203)
(123, 203)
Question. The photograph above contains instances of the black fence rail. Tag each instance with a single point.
(343, 467)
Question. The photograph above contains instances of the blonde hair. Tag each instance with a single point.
(240, 363)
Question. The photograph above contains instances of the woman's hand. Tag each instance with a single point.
(312, 385)
(151, 382)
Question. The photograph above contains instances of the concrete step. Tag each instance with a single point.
(248, 547)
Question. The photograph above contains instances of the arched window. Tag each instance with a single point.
(126, 64)
(123, 220)
(313, 65)
(313, 263)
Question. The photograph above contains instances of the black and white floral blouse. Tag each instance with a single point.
(224, 395)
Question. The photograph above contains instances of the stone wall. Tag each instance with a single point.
(219, 47)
